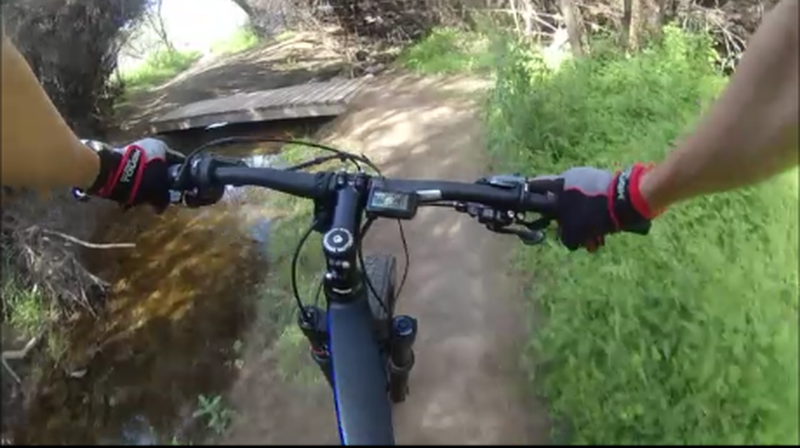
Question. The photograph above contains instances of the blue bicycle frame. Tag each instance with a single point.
(366, 355)
(359, 376)
(358, 371)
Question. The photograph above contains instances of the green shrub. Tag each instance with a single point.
(688, 335)
(158, 68)
(243, 39)
(449, 50)
(24, 307)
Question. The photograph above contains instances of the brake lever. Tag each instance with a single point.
(486, 215)
(537, 224)
(527, 236)
(498, 221)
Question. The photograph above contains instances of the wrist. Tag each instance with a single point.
(638, 200)
(88, 167)
(651, 191)
(107, 163)
(629, 205)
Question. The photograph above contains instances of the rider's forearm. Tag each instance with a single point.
(38, 149)
(750, 133)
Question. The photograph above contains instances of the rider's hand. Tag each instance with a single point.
(133, 175)
(593, 203)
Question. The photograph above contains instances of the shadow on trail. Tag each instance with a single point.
(467, 387)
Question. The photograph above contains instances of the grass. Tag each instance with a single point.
(449, 50)
(285, 35)
(213, 410)
(277, 308)
(243, 39)
(161, 66)
(688, 335)
(24, 307)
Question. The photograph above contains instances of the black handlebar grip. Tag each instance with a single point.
(542, 203)
(640, 228)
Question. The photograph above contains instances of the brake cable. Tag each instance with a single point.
(246, 139)
(337, 154)
(293, 269)
(364, 275)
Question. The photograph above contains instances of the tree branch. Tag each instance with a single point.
(72, 239)
(19, 354)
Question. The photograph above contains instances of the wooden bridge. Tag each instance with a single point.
(315, 99)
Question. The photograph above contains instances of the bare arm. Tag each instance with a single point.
(38, 149)
(751, 132)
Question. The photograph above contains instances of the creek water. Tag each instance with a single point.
(180, 303)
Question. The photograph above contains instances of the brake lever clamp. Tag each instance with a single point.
(199, 168)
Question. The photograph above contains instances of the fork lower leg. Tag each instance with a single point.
(401, 358)
(312, 322)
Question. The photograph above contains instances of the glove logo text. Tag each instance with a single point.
(131, 166)
(622, 184)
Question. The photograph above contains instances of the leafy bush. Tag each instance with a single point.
(159, 67)
(23, 306)
(243, 39)
(688, 335)
(449, 50)
(72, 48)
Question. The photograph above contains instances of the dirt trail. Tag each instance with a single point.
(466, 387)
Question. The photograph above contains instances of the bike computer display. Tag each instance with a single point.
(391, 204)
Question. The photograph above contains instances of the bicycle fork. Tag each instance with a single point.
(312, 321)
(400, 360)
(401, 356)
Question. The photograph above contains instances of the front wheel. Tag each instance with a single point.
(395, 334)
(381, 271)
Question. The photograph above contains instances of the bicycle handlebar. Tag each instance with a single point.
(297, 183)
(214, 172)
(518, 199)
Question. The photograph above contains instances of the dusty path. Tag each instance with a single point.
(466, 387)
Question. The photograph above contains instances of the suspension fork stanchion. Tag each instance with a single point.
(312, 321)
(401, 358)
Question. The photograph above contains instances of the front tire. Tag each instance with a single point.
(381, 271)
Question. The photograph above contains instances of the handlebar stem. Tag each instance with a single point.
(340, 242)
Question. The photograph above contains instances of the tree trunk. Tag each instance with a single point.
(649, 19)
(627, 25)
(245, 7)
(72, 48)
(572, 18)
(665, 8)
(641, 20)
(266, 17)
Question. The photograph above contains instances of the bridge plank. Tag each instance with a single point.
(317, 99)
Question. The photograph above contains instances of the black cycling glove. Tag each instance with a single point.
(593, 203)
(133, 175)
